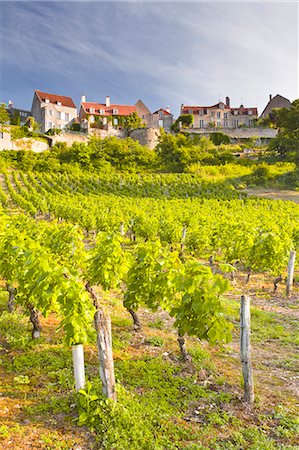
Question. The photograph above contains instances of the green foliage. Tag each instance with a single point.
(219, 138)
(132, 122)
(4, 116)
(286, 142)
(108, 263)
(156, 341)
(185, 120)
(200, 312)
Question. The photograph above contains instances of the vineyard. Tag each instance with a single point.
(165, 257)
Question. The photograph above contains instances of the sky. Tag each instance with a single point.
(163, 52)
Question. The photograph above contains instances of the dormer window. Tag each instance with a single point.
(47, 100)
(190, 111)
(102, 112)
(115, 111)
(91, 110)
(59, 103)
(221, 105)
(235, 112)
(250, 112)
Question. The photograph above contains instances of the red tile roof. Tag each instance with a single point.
(245, 111)
(65, 101)
(122, 110)
(196, 109)
(167, 113)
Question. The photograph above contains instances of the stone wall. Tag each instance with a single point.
(5, 142)
(238, 133)
(146, 136)
(68, 138)
(29, 144)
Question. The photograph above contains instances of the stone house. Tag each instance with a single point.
(52, 110)
(221, 115)
(14, 113)
(162, 118)
(107, 115)
(276, 102)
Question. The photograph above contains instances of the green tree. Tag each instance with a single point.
(286, 142)
(132, 122)
(4, 116)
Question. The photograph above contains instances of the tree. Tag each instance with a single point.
(4, 116)
(286, 142)
(132, 122)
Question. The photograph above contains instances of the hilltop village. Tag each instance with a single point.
(58, 116)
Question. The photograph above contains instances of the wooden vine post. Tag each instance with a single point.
(246, 350)
(291, 268)
(183, 239)
(104, 343)
(78, 364)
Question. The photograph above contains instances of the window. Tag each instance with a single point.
(1, 135)
(115, 111)
(251, 122)
(221, 105)
(236, 123)
(235, 112)
(200, 112)
(250, 112)
(58, 115)
(91, 119)
(66, 117)
(91, 110)
(225, 115)
(205, 111)
(104, 120)
(50, 124)
(115, 121)
(225, 124)
(218, 115)
(102, 112)
(59, 103)
(47, 100)
(201, 123)
(59, 127)
(50, 112)
(190, 111)
(212, 113)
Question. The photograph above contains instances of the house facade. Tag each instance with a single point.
(162, 118)
(276, 102)
(221, 115)
(107, 115)
(53, 111)
(17, 114)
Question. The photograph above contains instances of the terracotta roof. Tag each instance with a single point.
(167, 113)
(65, 101)
(196, 109)
(245, 111)
(122, 110)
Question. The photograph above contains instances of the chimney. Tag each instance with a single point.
(107, 101)
(270, 96)
(182, 107)
(10, 104)
(168, 109)
(227, 101)
(83, 98)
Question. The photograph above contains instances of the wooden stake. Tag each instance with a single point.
(104, 342)
(121, 229)
(184, 233)
(246, 350)
(78, 364)
(291, 268)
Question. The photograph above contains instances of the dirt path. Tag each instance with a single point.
(274, 195)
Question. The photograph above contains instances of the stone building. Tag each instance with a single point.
(53, 111)
(162, 118)
(107, 115)
(221, 115)
(276, 102)
(18, 113)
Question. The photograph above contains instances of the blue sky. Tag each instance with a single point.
(165, 53)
